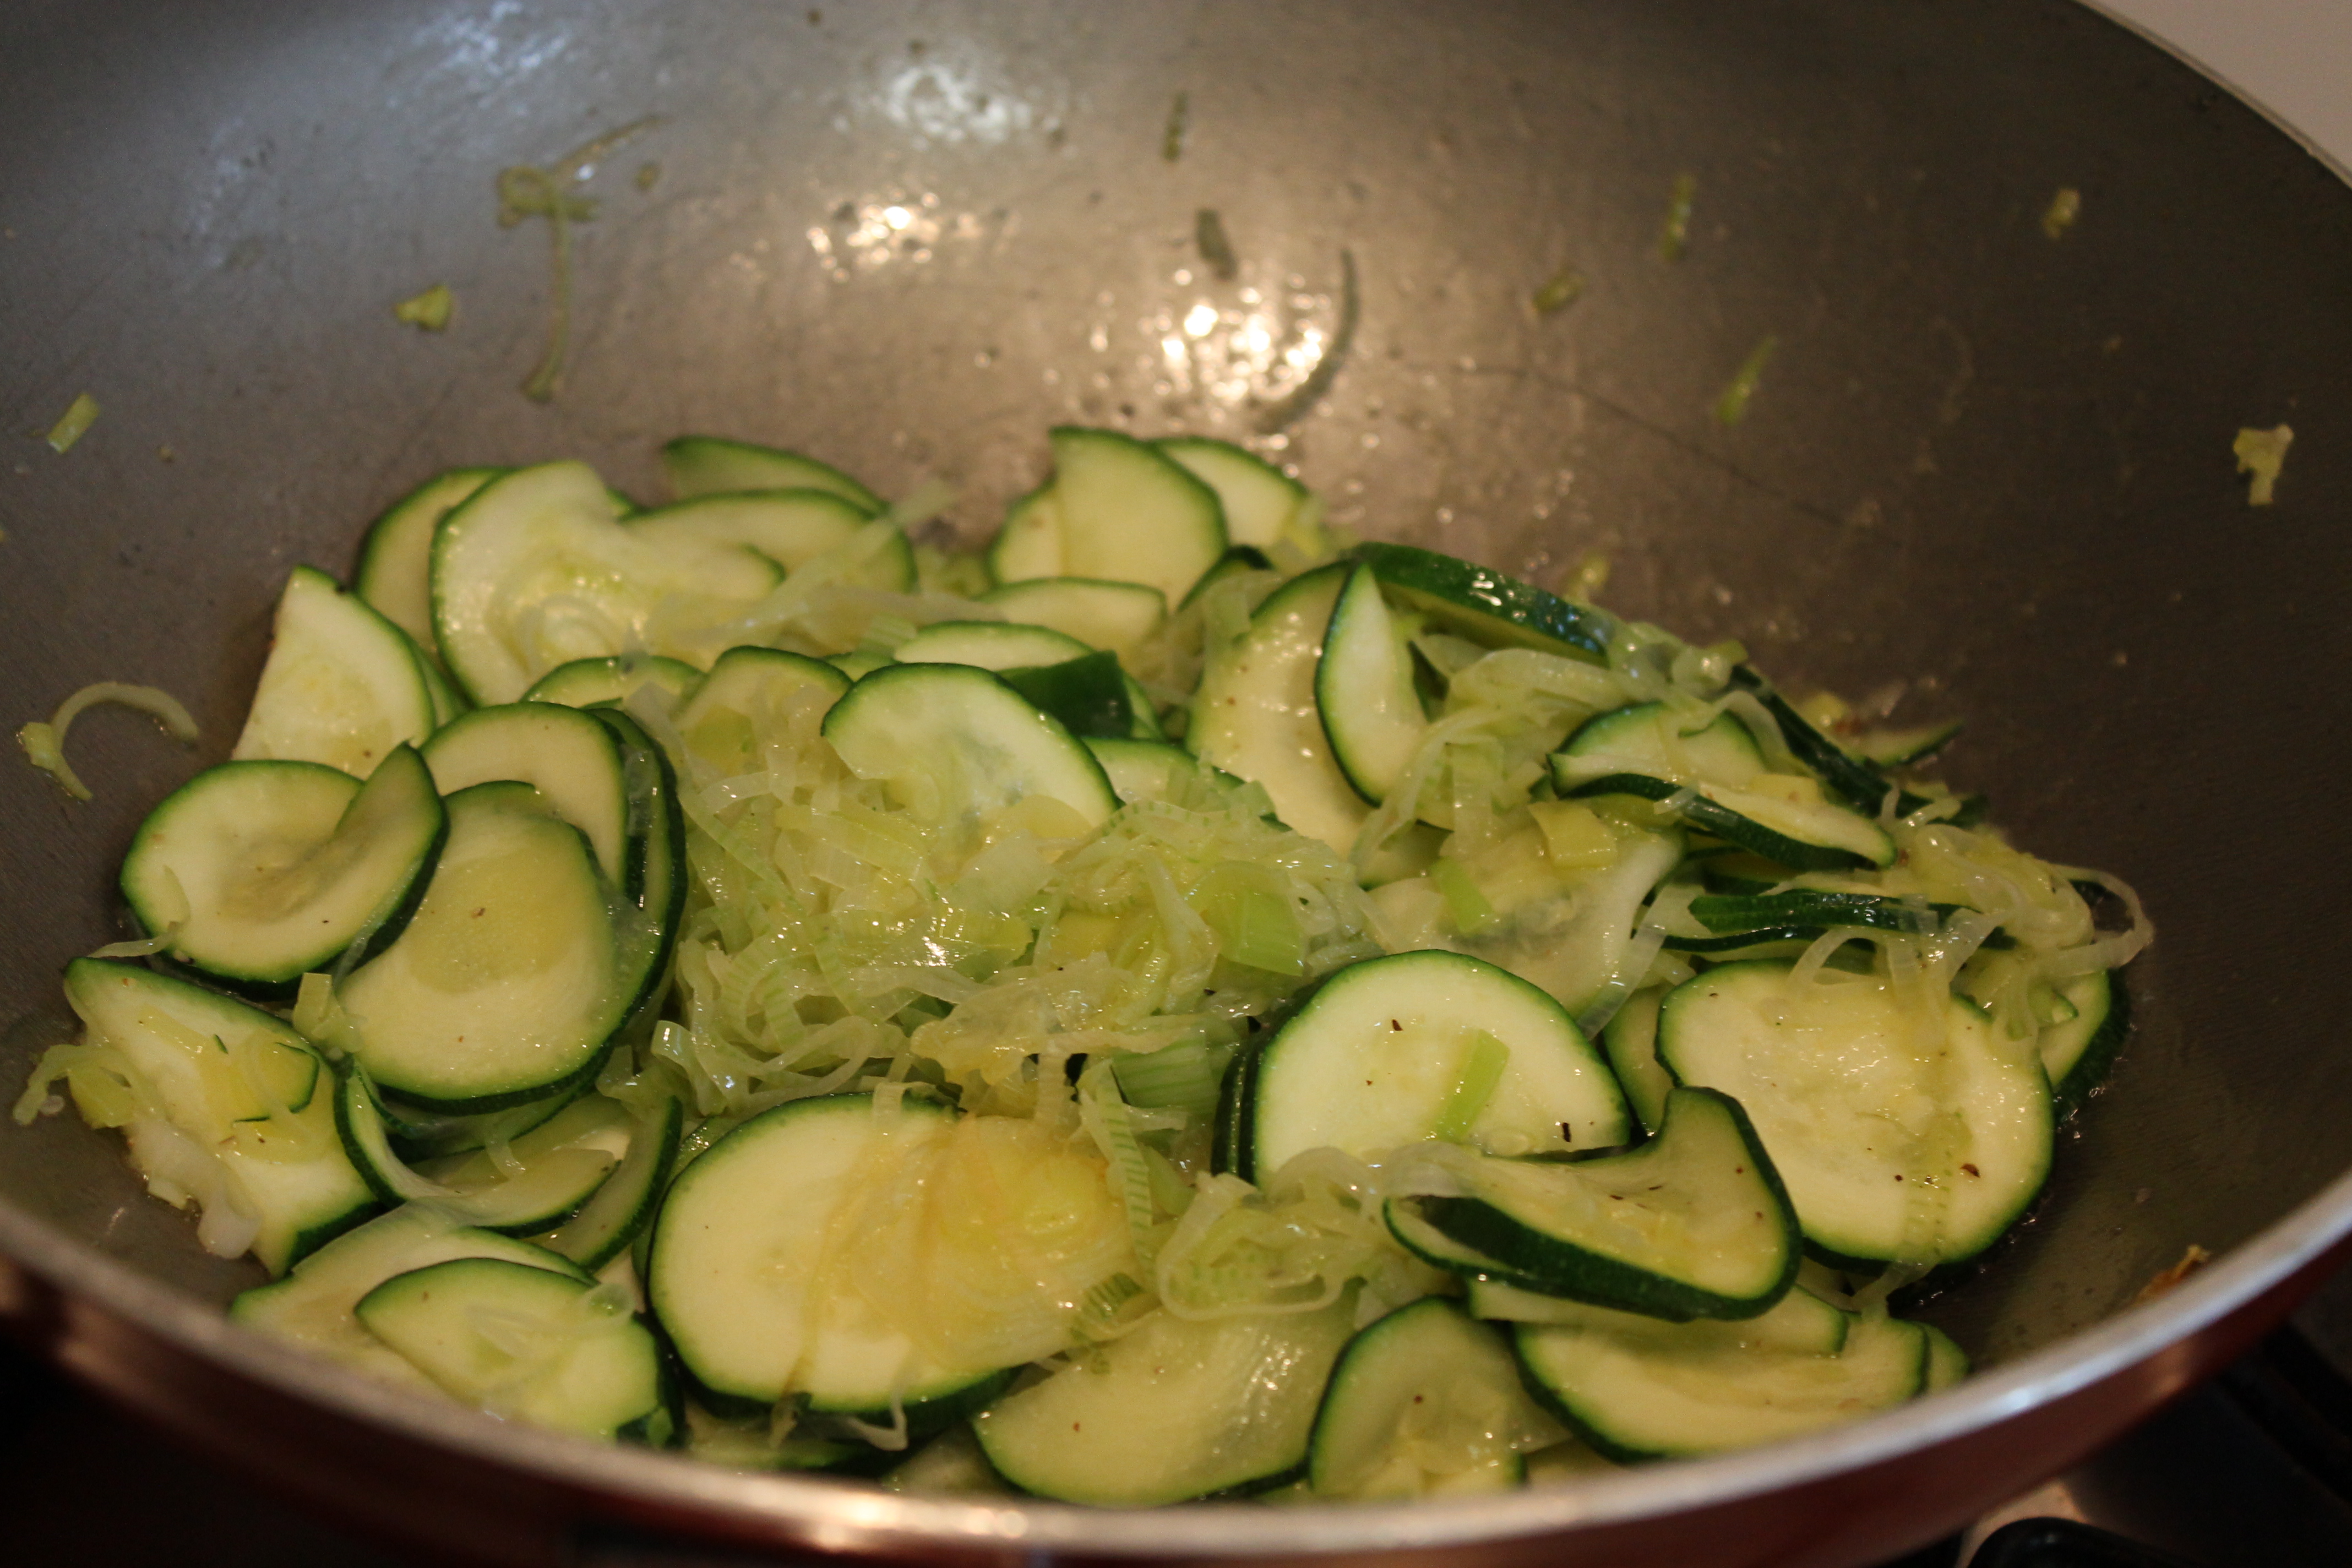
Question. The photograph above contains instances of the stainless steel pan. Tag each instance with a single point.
(909, 236)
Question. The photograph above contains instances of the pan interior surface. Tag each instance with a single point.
(1983, 459)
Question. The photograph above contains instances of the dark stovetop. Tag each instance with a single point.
(2245, 1471)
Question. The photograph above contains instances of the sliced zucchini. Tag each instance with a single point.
(954, 740)
(506, 984)
(1485, 606)
(2077, 1052)
(562, 752)
(556, 1167)
(264, 871)
(447, 701)
(1002, 646)
(537, 570)
(1425, 1402)
(236, 1087)
(1947, 1363)
(1176, 1409)
(623, 1205)
(342, 686)
(1099, 613)
(1237, 558)
(1364, 689)
(1255, 716)
(1799, 1323)
(612, 681)
(395, 573)
(1900, 1137)
(989, 645)
(1905, 745)
(712, 465)
(791, 527)
(1629, 1038)
(1119, 512)
(1660, 1389)
(1151, 769)
(1391, 1051)
(740, 1278)
(1716, 778)
(1029, 545)
(1259, 500)
(654, 876)
(749, 695)
(522, 1342)
(417, 1134)
(313, 1305)
(1693, 1224)
(1800, 914)
(1089, 695)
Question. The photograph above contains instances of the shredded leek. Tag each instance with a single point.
(527, 191)
(1558, 291)
(1216, 250)
(1484, 1062)
(1180, 117)
(45, 743)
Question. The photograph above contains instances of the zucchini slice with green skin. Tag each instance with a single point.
(712, 465)
(536, 569)
(506, 984)
(1001, 646)
(417, 1134)
(1392, 1051)
(265, 871)
(1799, 1323)
(1693, 1224)
(561, 1356)
(1900, 1139)
(312, 1305)
(1236, 560)
(1098, 613)
(1717, 779)
(735, 1263)
(1259, 498)
(1486, 606)
(1666, 1391)
(2077, 1052)
(623, 1205)
(1905, 746)
(791, 527)
(1028, 546)
(1255, 715)
(1152, 770)
(342, 686)
(564, 1161)
(1087, 694)
(1122, 511)
(243, 1088)
(1947, 1363)
(1426, 1401)
(1630, 1041)
(750, 693)
(1364, 689)
(654, 875)
(611, 680)
(562, 752)
(955, 742)
(395, 573)
(1175, 1410)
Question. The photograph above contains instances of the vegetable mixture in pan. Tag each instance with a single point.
(1180, 1005)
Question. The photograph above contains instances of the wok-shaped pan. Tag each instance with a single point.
(908, 236)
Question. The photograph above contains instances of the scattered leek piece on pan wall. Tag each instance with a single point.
(526, 190)
(427, 311)
(45, 743)
(78, 417)
(1732, 406)
(2261, 453)
(2060, 215)
(1674, 237)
